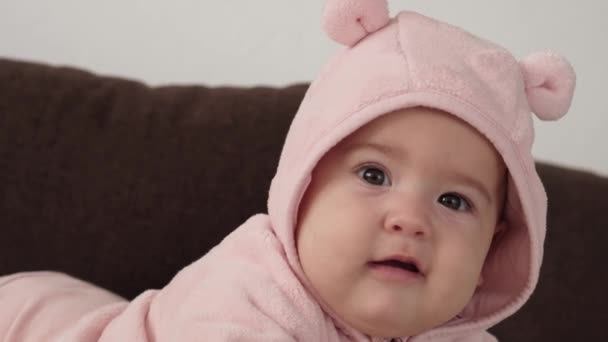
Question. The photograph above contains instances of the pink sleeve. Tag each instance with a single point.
(47, 306)
(240, 291)
(41, 306)
(487, 337)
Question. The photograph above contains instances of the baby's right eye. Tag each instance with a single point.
(374, 176)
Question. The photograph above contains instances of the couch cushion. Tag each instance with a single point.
(122, 184)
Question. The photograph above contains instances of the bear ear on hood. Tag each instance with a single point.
(550, 80)
(349, 21)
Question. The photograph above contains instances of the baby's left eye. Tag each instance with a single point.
(455, 201)
(374, 176)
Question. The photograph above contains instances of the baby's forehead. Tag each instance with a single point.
(445, 144)
(419, 128)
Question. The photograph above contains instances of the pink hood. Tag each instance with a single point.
(412, 60)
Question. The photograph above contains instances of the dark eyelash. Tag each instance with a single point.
(368, 165)
(462, 200)
(466, 199)
(373, 165)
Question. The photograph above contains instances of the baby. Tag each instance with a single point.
(406, 207)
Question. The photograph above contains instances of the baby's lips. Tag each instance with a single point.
(402, 258)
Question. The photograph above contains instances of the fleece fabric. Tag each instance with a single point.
(251, 286)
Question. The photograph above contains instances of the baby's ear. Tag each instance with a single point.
(498, 230)
(480, 280)
(550, 82)
(500, 227)
(349, 21)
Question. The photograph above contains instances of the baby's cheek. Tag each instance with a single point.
(454, 222)
(463, 259)
(464, 279)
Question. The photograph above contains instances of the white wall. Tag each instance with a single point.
(278, 42)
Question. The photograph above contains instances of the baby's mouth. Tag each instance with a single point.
(407, 264)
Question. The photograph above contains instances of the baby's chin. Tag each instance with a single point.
(389, 329)
(389, 323)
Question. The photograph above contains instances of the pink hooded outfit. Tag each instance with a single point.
(251, 286)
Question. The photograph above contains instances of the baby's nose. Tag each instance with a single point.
(410, 217)
(409, 227)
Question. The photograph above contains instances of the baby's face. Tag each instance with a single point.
(397, 221)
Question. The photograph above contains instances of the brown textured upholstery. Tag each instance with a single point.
(123, 185)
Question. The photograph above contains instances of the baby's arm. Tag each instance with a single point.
(485, 337)
(42, 306)
(230, 295)
(48, 306)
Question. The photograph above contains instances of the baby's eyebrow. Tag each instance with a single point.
(473, 183)
(379, 147)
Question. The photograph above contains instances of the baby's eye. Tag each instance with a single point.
(455, 201)
(374, 176)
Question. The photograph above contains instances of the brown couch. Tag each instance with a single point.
(123, 184)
